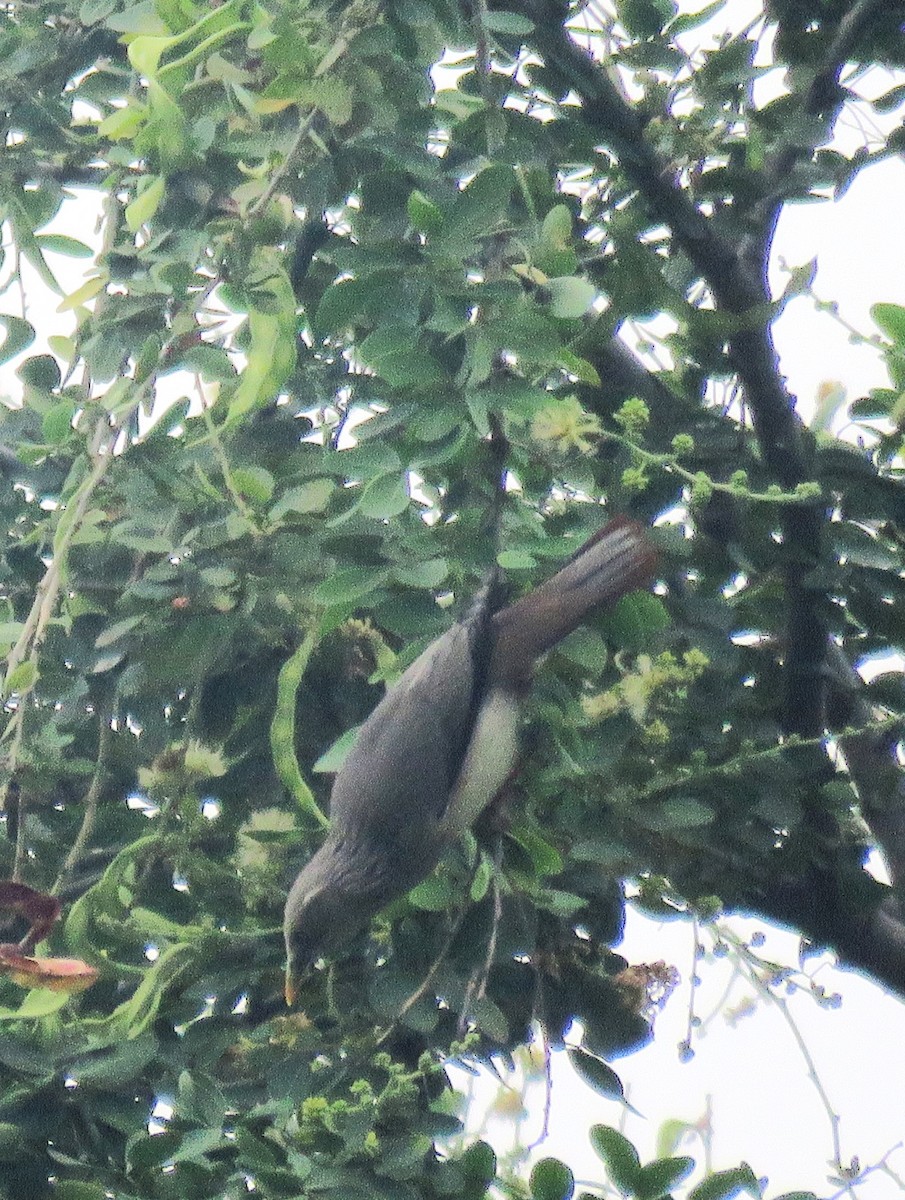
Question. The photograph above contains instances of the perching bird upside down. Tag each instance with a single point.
(441, 743)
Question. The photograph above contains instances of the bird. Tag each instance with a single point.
(441, 743)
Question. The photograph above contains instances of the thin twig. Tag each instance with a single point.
(277, 178)
(882, 1165)
(497, 917)
(548, 1094)
(482, 50)
(435, 966)
(92, 798)
(36, 624)
(832, 1116)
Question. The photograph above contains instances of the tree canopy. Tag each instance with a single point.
(379, 295)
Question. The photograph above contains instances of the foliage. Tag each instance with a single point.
(253, 458)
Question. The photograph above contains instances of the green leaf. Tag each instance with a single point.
(428, 574)
(725, 1185)
(800, 279)
(424, 215)
(678, 812)
(254, 483)
(645, 18)
(633, 623)
(556, 228)
(196, 1145)
(124, 123)
(133, 1017)
(619, 1156)
(271, 334)
(41, 1002)
(59, 243)
(570, 296)
(10, 632)
(670, 1134)
(56, 424)
(583, 371)
(145, 204)
(218, 577)
(891, 319)
(40, 371)
(545, 858)
(516, 560)
(22, 679)
(886, 103)
(657, 1179)
(62, 347)
(479, 1164)
(349, 583)
(92, 11)
(501, 21)
(340, 303)
(89, 289)
(598, 1075)
(862, 549)
(12, 1145)
(145, 53)
(282, 729)
(72, 1189)
(116, 1064)
(331, 760)
(687, 21)
(119, 629)
(393, 352)
(384, 497)
(551, 1180)
(331, 95)
(146, 1151)
(586, 648)
(364, 461)
(481, 880)
(311, 497)
(489, 1018)
(19, 335)
(437, 893)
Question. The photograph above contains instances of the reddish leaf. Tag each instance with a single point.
(55, 974)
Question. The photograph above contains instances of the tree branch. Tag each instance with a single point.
(871, 762)
(823, 99)
(738, 289)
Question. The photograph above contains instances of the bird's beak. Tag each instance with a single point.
(290, 988)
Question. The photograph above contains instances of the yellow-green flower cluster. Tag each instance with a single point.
(634, 479)
(633, 417)
(566, 425)
(652, 680)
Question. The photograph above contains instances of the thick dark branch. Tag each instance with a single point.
(871, 761)
(626, 374)
(839, 905)
(742, 291)
(822, 100)
(605, 109)
(736, 288)
(852, 915)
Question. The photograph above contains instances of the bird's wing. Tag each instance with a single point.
(410, 750)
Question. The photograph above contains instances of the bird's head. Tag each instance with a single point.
(327, 905)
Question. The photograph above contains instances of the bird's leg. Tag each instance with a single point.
(496, 818)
